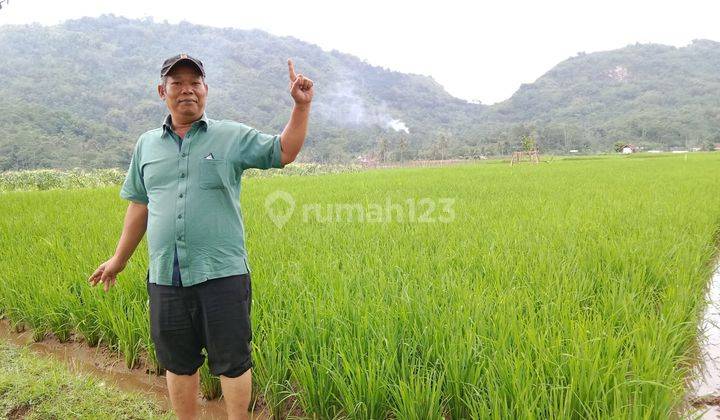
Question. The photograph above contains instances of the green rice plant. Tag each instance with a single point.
(315, 386)
(362, 381)
(419, 397)
(463, 371)
(84, 316)
(147, 345)
(572, 289)
(125, 316)
(209, 383)
(271, 360)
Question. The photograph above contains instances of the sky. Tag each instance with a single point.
(478, 50)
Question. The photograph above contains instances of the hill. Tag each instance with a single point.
(79, 94)
(653, 95)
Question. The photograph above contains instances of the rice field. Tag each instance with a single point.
(570, 289)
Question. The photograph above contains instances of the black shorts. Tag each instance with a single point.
(214, 314)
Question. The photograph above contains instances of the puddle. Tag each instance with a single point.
(109, 367)
(707, 386)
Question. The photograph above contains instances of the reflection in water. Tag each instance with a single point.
(708, 382)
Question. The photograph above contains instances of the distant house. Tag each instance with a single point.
(717, 146)
(628, 148)
(367, 160)
(574, 151)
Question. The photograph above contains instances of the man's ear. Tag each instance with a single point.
(161, 91)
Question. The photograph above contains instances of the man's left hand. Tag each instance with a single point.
(301, 88)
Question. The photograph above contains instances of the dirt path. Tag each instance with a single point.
(109, 366)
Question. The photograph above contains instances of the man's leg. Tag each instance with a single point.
(184, 394)
(177, 335)
(225, 304)
(237, 393)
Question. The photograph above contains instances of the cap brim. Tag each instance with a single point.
(184, 60)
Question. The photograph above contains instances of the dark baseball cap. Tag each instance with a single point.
(182, 57)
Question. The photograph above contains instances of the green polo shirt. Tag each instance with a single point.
(193, 195)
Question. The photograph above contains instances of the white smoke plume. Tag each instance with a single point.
(342, 105)
(398, 125)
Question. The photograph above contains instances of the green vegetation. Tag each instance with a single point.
(570, 289)
(34, 387)
(653, 96)
(52, 179)
(47, 179)
(82, 93)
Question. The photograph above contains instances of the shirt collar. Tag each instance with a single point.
(167, 123)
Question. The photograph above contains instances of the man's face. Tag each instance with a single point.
(184, 92)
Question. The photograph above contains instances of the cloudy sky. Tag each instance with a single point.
(478, 50)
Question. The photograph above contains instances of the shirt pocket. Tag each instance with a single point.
(212, 173)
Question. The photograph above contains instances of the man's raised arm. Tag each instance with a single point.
(293, 136)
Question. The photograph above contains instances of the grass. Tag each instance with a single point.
(570, 289)
(33, 387)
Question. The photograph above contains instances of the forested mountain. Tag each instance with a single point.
(80, 93)
(652, 95)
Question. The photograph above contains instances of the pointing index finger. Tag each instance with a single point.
(291, 70)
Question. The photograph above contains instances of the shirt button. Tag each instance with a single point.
(182, 175)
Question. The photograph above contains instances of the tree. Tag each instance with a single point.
(382, 148)
(403, 144)
(443, 145)
(528, 143)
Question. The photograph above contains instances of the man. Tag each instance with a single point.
(184, 185)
